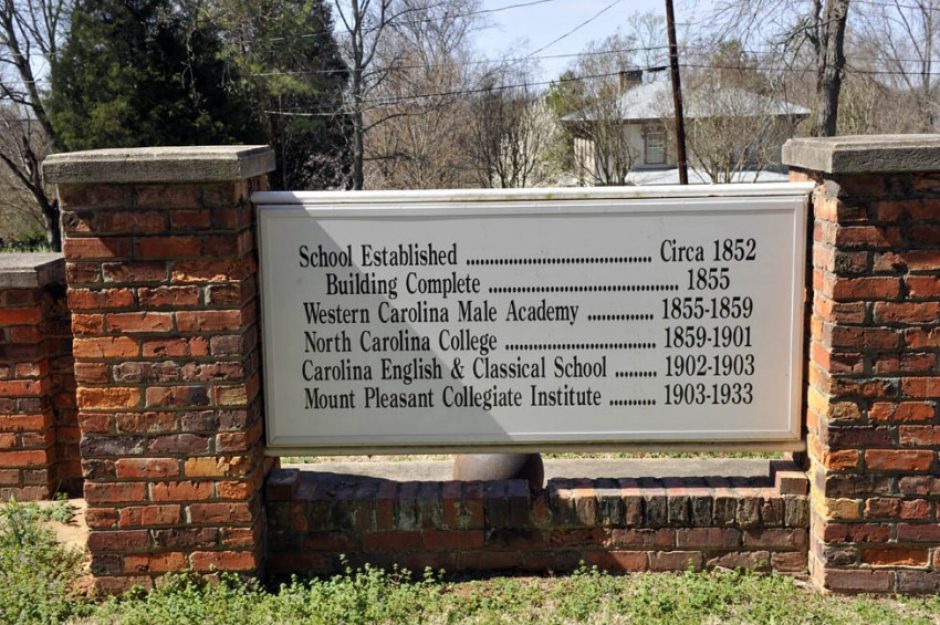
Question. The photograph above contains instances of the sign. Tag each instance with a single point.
(479, 320)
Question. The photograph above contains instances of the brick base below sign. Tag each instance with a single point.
(315, 522)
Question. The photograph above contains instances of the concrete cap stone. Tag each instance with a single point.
(861, 154)
(208, 163)
(31, 270)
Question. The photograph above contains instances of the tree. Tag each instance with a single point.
(145, 72)
(419, 115)
(790, 27)
(286, 51)
(30, 34)
(512, 129)
(603, 152)
(368, 25)
(900, 37)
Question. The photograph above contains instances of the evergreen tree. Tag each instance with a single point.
(286, 50)
(144, 72)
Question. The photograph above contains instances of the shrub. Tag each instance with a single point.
(36, 573)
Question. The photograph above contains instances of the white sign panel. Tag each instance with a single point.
(475, 320)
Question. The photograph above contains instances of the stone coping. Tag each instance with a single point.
(860, 154)
(31, 270)
(159, 164)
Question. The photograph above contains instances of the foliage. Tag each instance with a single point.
(36, 573)
(145, 72)
(30, 34)
(286, 51)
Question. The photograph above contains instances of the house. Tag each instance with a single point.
(726, 127)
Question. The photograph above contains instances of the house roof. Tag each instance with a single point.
(654, 101)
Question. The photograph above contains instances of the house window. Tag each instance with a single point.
(655, 145)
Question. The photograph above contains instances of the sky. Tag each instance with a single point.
(524, 30)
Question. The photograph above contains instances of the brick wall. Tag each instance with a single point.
(162, 286)
(669, 524)
(38, 427)
(874, 380)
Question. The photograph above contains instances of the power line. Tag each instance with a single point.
(467, 63)
(576, 28)
(379, 103)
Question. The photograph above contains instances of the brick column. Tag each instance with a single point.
(874, 379)
(162, 277)
(38, 442)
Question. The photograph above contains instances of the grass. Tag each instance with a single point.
(37, 577)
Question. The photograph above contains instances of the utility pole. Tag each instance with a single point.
(677, 95)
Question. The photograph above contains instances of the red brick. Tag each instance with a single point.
(94, 196)
(214, 513)
(904, 363)
(209, 320)
(181, 491)
(96, 248)
(928, 533)
(878, 237)
(190, 219)
(147, 467)
(147, 516)
(920, 287)
(919, 338)
(708, 538)
(393, 541)
(869, 338)
(19, 316)
(76, 273)
(210, 270)
(921, 387)
(22, 388)
(107, 299)
(924, 234)
(101, 518)
(115, 492)
(629, 561)
(675, 560)
(915, 510)
(168, 348)
(116, 541)
(155, 562)
(25, 458)
(779, 539)
(456, 540)
(858, 580)
(169, 195)
(108, 398)
(168, 297)
(902, 412)
(856, 532)
(907, 312)
(168, 247)
(872, 288)
(177, 396)
(919, 435)
(894, 556)
(129, 222)
(132, 322)
(203, 561)
(127, 272)
(898, 460)
(87, 324)
(922, 260)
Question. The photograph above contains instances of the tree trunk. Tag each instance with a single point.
(829, 71)
(50, 216)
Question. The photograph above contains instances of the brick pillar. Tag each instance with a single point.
(37, 417)
(162, 278)
(874, 377)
